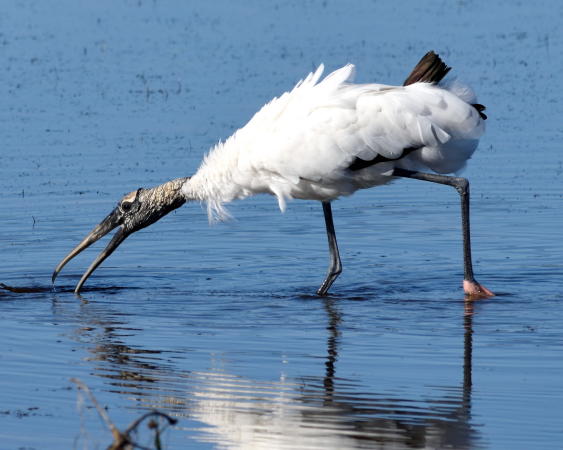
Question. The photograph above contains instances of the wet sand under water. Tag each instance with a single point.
(219, 326)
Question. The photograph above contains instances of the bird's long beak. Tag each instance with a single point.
(135, 211)
(109, 223)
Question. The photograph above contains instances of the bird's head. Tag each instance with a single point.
(135, 211)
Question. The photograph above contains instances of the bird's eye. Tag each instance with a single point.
(126, 206)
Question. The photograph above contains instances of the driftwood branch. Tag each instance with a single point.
(123, 440)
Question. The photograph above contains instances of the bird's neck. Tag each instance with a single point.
(168, 194)
(166, 197)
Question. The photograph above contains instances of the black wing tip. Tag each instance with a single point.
(359, 164)
(480, 108)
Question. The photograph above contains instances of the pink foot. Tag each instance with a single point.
(475, 291)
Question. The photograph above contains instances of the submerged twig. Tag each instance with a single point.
(123, 440)
(119, 439)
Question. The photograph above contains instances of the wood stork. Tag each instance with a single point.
(322, 140)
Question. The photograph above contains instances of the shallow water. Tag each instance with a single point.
(218, 326)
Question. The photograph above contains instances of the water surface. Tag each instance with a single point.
(219, 326)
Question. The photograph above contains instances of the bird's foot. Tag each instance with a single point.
(475, 291)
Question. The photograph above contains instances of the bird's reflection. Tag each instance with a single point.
(316, 411)
(467, 353)
(445, 423)
(333, 328)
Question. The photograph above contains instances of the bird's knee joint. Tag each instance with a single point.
(461, 185)
(336, 270)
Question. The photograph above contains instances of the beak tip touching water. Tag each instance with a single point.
(135, 211)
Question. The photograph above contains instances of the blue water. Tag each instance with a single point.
(219, 326)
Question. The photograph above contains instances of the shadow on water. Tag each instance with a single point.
(318, 411)
(4, 289)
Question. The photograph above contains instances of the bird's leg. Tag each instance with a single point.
(335, 266)
(470, 286)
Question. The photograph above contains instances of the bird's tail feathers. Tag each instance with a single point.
(430, 69)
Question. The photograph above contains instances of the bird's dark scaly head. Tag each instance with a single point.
(135, 211)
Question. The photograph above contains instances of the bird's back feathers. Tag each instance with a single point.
(305, 143)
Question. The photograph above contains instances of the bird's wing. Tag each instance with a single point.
(317, 131)
(301, 100)
(294, 130)
(327, 138)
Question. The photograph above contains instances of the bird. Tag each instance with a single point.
(324, 139)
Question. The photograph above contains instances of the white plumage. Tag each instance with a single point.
(301, 144)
